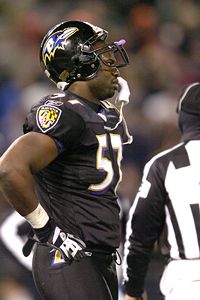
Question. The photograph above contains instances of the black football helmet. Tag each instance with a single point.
(67, 53)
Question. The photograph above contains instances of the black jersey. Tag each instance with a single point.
(166, 208)
(78, 189)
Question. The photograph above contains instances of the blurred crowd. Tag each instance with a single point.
(163, 43)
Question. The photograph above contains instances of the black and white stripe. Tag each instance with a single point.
(168, 200)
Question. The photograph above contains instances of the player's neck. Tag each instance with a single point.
(81, 89)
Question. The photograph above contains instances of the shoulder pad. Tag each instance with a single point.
(55, 99)
(82, 109)
(74, 102)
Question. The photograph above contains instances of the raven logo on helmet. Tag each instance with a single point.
(56, 41)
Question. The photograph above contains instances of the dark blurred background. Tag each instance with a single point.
(163, 43)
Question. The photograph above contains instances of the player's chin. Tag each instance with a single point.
(114, 89)
(108, 94)
(111, 93)
(116, 86)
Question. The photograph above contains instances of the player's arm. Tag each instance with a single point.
(27, 155)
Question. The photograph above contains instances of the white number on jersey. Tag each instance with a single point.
(103, 163)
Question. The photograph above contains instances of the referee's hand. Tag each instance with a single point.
(143, 297)
(127, 297)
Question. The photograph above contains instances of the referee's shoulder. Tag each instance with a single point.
(164, 156)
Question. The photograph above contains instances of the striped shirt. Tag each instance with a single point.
(166, 209)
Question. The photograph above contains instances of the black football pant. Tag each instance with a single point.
(92, 278)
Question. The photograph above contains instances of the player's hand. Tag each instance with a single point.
(39, 235)
(70, 246)
(44, 233)
(124, 92)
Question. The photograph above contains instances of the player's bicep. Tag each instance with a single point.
(32, 150)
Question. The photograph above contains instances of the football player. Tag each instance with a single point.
(62, 174)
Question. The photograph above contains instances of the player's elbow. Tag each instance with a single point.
(7, 172)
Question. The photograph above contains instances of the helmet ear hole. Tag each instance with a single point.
(84, 58)
(77, 59)
(89, 58)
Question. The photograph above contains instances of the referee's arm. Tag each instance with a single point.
(145, 224)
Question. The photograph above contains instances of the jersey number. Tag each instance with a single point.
(103, 163)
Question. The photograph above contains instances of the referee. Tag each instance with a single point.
(167, 209)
